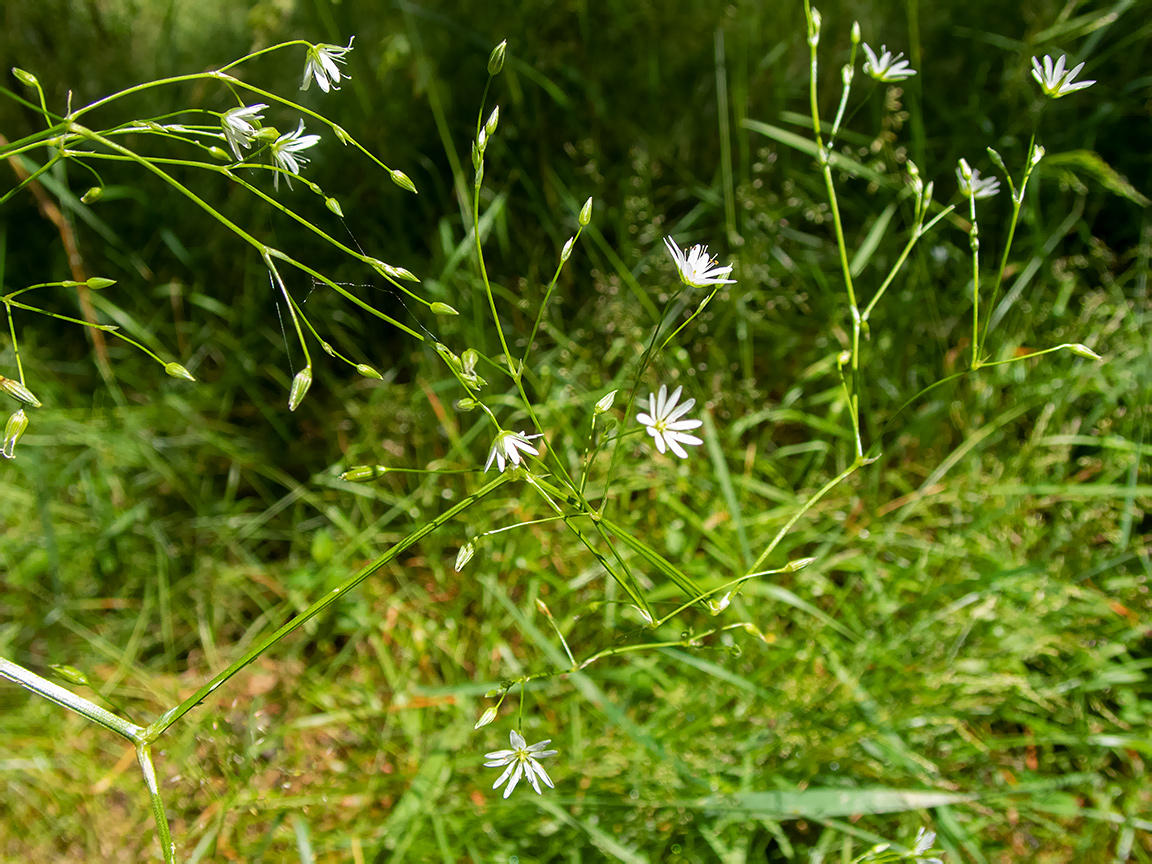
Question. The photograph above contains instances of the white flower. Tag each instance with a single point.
(923, 842)
(972, 184)
(1053, 80)
(240, 126)
(888, 67)
(284, 153)
(664, 425)
(507, 447)
(696, 268)
(521, 762)
(321, 65)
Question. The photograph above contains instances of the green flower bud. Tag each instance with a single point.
(25, 77)
(477, 154)
(567, 250)
(493, 693)
(266, 133)
(1084, 351)
(334, 205)
(814, 29)
(466, 404)
(178, 371)
(798, 564)
(98, 283)
(468, 361)
(542, 607)
(605, 403)
(93, 195)
(965, 170)
(368, 372)
(13, 429)
(18, 391)
(495, 59)
(997, 160)
(491, 122)
(586, 213)
(487, 717)
(344, 137)
(219, 153)
(855, 32)
(401, 179)
(361, 473)
(300, 385)
(464, 555)
(69, 673)
(439, 308)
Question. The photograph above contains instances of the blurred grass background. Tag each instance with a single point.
(974, 632)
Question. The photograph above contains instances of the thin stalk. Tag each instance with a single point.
(144, 757)
(974, 244)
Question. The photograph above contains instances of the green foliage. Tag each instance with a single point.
(969, 648)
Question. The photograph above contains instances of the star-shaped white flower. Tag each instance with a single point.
(923, 842)
(1052, 78)
(285, 153)
(506, 448)
(240, 126)
(321, 65)
(521, 762)
(696, 268)
(889, 67)
(972, 184)
(664, 424)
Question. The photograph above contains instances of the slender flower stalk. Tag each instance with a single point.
(521, 762)
(321, 66)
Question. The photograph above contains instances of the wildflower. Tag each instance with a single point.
(972, 185)
(284, 153)
(240, 126)
(696, 268)
(663, 421)
(506, 448)
(1053, 80)
(888, 68)
(923, 843)
(521, 761)
(321, 65)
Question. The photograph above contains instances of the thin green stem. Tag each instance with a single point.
(278, 282)
(144, 757)
(974, 243)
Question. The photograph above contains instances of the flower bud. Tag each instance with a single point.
(493, 693)
(843, 357)
(567, 250)
(855, 32)
(92, 195)
(468, 361)
(798, 564)
(466, 404)
(965, 170)
(26, 78)
(477, 154)
(542, 607)
(98, 283)
(334, 205)
(814, 29)
(487, 717)
(300, 385)
(1037, 155)
(490, 123)
(464, 555)
(586, 213)
(997, 159)
(219, 153)
(1084, 351)
(327, 348)
(439, 308)
(368, 372)
(718, 606)
(13, 429)
(343, 136)
(18, 391)
(360, 473)
(175, 370)
(495, 59)
(266, 133)
(70, 674)
(605, 403)
(402, 180)
(400, 273)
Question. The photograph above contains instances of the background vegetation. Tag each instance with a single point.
(974, 631)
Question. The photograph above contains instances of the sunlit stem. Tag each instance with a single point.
(974, 243)
(274, 276)
(144, 757)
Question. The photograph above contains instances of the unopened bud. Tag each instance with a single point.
(814, 29)
(300, 385)
(477, 154)
(542, 607)
(492, 121)
(69, 673)
(487, 717)
(93, 195)
(495, 59)
(586, 213)
(368, 372)
(25, 77)
(439, 308)
(334, 205)
(855, 32)
(402, 180)
(466, 404)
(175, 370)
(464, 555)
(13, 429)
(343, 136)
(266, 133)
(997, 159)
(843, 357)
(468, 361)
(219, 153)
(18, 391)
(718, 606)
(98, 283)
(567, 250)
(1084, 351)
(605, 403)
(400, 273)
(327, 348)
(1037, 155)
(361, 473)
(798, 564)
(965, 170)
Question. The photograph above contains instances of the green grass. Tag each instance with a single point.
(969, 649)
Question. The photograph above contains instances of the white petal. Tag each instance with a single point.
(517, 740)
(680, 411)
(646, 419)
(511, 767)
(684, 439)
(531, 775)
(543, 775)
(659, 439)
(519, 766)
(661, 401)
(680, 425)
(676, 448)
